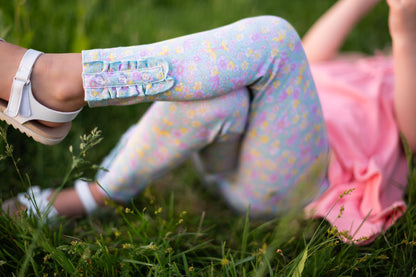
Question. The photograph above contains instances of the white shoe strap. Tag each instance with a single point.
(84, 193)
(20, 81)
(22, 90)
(36, 200)
(40, 112)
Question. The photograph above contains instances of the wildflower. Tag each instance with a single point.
(158, 211)
(191, 268)
(333, 231)
(333, 243)
(127, 246)
(75, 243)
(225, 261)
(263, 249)
(46, 257)
(86, 255)
(128, 211)
(341, 210)
(152, 246)
(347, 192)
(361, 239)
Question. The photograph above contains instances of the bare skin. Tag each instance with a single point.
(68, 204)
(402, 24)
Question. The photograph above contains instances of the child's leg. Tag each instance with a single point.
(263, 54)
(283, 150)
(256, 52)
(284, 147)
(167, 135)
(282, 160)
(283, 155)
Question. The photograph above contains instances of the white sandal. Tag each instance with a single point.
(23, 111)
(37, 203)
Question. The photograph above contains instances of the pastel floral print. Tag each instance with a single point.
(240, 99)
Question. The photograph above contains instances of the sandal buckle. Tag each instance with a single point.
(25, 81)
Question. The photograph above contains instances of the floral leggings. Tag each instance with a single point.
(239, 99)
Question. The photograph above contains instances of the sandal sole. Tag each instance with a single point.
(37, 131)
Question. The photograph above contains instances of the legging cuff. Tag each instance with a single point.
(108, 80)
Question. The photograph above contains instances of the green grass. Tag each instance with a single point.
(175, 227)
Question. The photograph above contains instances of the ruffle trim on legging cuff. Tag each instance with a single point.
(105, 80)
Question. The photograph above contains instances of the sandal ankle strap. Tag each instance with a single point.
(87, 199)
(21, 80)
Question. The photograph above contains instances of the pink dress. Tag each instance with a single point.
(366, 153)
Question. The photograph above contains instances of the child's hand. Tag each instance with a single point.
(402, 24)
(402, 19)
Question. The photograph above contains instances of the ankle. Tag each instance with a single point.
(69, 204)
(98, 194)
(57, 81)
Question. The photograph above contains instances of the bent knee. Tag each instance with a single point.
(280, 29)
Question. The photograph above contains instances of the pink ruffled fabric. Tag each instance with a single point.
(357, 102)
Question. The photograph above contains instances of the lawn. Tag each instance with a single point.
(175, 227)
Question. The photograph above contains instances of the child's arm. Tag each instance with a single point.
(402, 24)
(326, 36)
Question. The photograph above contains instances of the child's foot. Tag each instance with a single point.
(55, 83)
(56, 78)
(79, 201)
